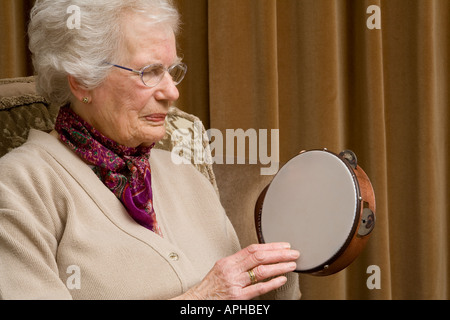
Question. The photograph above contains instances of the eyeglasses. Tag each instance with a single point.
(153, 74)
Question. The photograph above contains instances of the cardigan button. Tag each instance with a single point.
(173, 256)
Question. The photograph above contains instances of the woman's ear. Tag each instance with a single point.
(79, 91)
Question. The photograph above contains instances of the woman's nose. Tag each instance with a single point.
(166, 89)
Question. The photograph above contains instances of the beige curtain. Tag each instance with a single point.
(314, 70)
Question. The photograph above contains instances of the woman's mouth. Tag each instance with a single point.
(156, 117)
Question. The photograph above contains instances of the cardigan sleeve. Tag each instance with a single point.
(28, 267)
(28, 235)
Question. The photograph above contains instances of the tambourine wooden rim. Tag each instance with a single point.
(363, 217)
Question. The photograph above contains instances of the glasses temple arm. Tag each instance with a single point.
(124, 68)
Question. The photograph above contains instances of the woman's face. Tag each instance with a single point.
(123, 108)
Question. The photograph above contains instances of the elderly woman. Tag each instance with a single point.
(91, 211)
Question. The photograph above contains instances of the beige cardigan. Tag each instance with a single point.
(64, 235)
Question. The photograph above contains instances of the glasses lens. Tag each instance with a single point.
(153, 75)
(178, 72)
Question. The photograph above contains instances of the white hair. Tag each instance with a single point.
(59, 50)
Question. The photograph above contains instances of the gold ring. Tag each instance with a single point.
(252, 275)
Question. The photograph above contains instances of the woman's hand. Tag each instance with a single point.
(231, 277)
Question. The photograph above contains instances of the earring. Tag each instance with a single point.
(85, 100)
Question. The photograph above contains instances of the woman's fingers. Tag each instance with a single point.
(265, 257)
(261, 288)
(245, 274)
(260, 262)
(244, 253)
(263, 272)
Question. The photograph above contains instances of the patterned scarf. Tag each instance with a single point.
(125, 171)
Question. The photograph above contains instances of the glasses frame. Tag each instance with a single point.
(168, 70)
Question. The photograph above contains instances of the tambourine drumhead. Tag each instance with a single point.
(312, 203)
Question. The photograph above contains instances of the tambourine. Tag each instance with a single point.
(323, 204)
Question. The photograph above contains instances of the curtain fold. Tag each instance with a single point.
(15, 60)
(242, 52)
(416, 151)
(193, 47)
(314, 70)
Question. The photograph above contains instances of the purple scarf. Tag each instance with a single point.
(125, 171)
